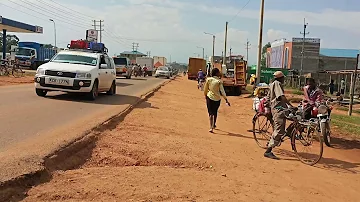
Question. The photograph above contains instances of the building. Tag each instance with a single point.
(132, 55)
(287, 55)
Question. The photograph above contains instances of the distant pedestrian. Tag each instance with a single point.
(213, 92)
(331, 87)
(342, 86)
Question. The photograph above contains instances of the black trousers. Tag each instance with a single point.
(212, 107)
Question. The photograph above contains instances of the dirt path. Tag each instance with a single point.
(163, 152)
(10, 80)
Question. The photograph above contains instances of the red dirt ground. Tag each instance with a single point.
(163, 152)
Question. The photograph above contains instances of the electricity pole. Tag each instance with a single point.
(135, 47)
(100, 30)
(247, 49)
(203, 51)
(230, 53)
(213, 47)
(303, 51)
(261, 23)
(226, 31)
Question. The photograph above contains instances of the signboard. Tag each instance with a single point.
(307, 40)
(276, 56)
(39, 29)
(92, 35)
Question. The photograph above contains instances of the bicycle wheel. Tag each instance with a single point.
(262, 129)
(4, 71)
(17, 72)
(307, 143)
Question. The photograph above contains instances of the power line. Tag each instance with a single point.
(52, 13)
(47, 15)
(65, 11)
(240, 11)
(47, 20)
(71, 9)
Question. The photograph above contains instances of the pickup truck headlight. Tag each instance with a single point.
(83, 75)
(40, 72)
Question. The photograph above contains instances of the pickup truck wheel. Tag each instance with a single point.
(93, 94)
(41, 92)
(112, 90)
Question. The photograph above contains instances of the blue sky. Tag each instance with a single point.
(175, 27)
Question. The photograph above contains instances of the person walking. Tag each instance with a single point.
(213, 92)
(332, 87)
(342, 86)
(278, 103)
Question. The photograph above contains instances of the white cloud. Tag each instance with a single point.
(272, 35)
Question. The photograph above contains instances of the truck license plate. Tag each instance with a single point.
(59, 81)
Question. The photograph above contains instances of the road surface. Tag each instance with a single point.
(31, 123)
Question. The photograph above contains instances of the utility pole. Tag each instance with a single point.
(230, 53)
(203, 51)
(100, 30)
(226, 31)
(135, 47)
(353, 86)
(304, 33)
(247, 49)
(261, 23)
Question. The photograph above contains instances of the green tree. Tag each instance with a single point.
(263, 54)
(11, 40)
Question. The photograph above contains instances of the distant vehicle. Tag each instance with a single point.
(32, 54)
(163, 72)
(195, 64)
(78, 71)
(123, 67)
(148, 62)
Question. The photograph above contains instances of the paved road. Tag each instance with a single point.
(24, 115)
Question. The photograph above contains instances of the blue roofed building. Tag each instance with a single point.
(337, 59)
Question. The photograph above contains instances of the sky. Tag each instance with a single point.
(175, 28)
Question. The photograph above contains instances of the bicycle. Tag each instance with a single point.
(299, 131)
(13, 66)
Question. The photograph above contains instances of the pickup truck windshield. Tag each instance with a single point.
(120, 61)
(75, 59)
(23, 52)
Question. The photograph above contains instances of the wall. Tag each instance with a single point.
(288, 47)
(311, 57)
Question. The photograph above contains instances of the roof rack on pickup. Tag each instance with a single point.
(82, 45)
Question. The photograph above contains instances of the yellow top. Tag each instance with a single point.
(214, 89)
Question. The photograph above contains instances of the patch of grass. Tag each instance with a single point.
(298, 92)
(347, 109)
(352, 120)
(346, 128)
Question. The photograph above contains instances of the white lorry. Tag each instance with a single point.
(148, 62)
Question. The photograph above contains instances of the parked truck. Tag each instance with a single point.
(32, 54)
(159, 61)
(195, 64)
(233, 75)
(148, 62)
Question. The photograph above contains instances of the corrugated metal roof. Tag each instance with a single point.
(132, 53)
(346, 53)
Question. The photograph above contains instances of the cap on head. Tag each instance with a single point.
(279, 74)
(252, 75)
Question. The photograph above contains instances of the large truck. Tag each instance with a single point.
(32, 54)
(148, 62)
(159, 61)
(233, 75)
(195, 64)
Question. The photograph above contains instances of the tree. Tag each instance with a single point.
(263, 54)
(11, 40)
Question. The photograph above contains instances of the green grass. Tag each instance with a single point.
(347, 109)
(347, 124)
(297, 92)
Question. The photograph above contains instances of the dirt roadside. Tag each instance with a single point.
(10, 80)
(162, 152)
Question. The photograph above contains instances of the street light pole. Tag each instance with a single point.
(258, 67)
(203, 51)
(54, 30)
(213, 47)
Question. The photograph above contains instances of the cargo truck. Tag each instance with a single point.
(148, 62)
(195, 64)
(160, 61)
(32, 54)
(233, 75)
